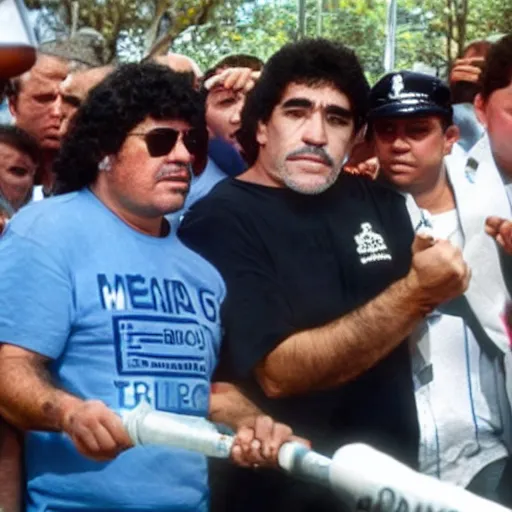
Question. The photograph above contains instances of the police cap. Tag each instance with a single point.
(406, 93)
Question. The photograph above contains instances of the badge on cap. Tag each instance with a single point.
(397, 86)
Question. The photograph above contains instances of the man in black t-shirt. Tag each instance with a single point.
(321, 288)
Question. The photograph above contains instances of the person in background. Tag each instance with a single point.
(465, 85)
(461, 353)
(224, 88)
(19, 160)
(492, 156)
(35, 103)
(74, 90)
(321, 288)
(180, 64)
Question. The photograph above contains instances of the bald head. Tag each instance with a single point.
(74, 90)
(180, 63)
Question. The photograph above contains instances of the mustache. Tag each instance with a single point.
(169, 170)
(313, 150)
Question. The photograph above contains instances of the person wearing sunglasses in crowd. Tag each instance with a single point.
(102, 307)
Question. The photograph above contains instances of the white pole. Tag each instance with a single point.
(319, 7)
(389, 56)
(301, 19)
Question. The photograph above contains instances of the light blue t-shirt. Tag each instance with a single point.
(124, 317)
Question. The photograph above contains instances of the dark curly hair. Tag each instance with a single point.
(497, 72)
(113, 108)
(311, 62)
(19, 139)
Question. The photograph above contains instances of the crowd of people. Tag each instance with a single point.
(278, 247)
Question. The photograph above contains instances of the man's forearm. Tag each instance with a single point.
(330, 355)
(11, 443)
(230, 407)
(28, 398)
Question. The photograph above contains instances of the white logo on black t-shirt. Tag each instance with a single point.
(371, 245)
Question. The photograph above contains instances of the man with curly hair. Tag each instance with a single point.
(102, 307)
(321, 289)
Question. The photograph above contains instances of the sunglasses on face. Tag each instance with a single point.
(161, 141)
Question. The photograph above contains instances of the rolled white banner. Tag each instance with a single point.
(147, 426)
(365, 479)
(368, 480)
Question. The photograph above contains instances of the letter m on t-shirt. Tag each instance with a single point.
(112, 297)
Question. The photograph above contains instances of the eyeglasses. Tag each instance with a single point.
(161, 141)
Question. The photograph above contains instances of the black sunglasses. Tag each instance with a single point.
(161, 141)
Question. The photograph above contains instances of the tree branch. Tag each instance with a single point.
(200, 17)
(449, 58)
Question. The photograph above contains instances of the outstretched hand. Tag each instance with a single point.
(467, 70)
(236, 79)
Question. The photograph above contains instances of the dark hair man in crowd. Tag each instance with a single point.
(97, 296)
(321, 288)
(35, 103)
(460, 356)
(19, 159)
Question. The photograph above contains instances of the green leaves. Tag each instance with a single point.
(207, 30)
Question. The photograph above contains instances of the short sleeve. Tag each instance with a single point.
(255, 315)
(36, 299)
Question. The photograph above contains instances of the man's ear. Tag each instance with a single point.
(451, 136)
(261, 134)
(358, 139)
(11, 102)
(479, 105)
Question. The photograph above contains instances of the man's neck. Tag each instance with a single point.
(437, 197)
(152, 226)
(258, 174)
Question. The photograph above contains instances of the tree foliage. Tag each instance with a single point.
(130, 27)
(432, 32)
